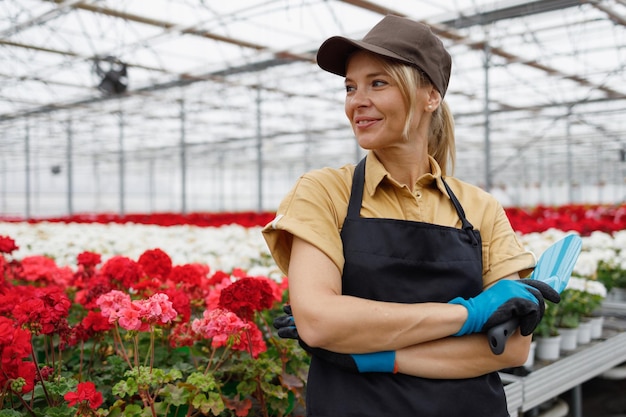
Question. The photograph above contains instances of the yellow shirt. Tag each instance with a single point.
(314, 210)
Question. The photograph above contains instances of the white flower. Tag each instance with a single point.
(595, 288)
(227, 247)
(578, 284)
(598, 240)
(222, 248)
(586, 265)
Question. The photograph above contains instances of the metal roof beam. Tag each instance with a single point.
(63, 6)
(620, 20)
(511, 12)
(188, 31)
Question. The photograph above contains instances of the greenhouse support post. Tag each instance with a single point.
(183, 159)
(121, 162)
(70, 167)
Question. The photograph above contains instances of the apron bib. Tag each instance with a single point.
(406, 262)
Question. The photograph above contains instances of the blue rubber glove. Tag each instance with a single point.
(360, 362)
(507, 299)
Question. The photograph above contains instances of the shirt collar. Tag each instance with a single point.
(375, 173)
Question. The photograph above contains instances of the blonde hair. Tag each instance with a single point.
(441, 141)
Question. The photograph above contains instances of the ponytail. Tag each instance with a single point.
(441, 143)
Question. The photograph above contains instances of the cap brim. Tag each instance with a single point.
(334, 52)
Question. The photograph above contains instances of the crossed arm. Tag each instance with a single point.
(420, 334)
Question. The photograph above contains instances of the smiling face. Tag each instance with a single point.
(376, 106)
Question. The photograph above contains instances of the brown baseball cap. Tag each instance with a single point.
(397, 38)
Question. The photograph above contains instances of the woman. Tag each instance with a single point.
(395, 269)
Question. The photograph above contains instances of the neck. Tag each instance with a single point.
(405, 168)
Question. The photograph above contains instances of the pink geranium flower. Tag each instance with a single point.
(219, 325)
(112, 303)
(157, 309)
(130, 318)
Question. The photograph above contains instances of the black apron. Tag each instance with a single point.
(406, 262)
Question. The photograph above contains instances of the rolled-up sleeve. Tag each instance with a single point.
(309, 213)
(505, 253)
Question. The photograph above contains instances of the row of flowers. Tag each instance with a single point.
(232, 246)
(584, 219)
(201, 219)
(581, 218)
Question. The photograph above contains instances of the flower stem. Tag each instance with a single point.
(43, 384)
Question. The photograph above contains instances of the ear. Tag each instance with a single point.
(433, 100)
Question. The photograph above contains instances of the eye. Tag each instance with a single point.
(379, 83)
(350, 88)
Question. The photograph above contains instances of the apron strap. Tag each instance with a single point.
(465, 224)
(356, 195)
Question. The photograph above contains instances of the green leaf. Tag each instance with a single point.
(11, 413)
(133, 410)
(125, 388)
(60, 411)
(175, 395)
(202, 382)
(213, 403)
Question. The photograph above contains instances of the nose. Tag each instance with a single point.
(358, 98)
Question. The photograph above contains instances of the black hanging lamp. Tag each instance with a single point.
(113, 74)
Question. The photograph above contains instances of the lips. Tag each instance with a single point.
(364, 121)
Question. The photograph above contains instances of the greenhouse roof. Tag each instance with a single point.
(538, 88)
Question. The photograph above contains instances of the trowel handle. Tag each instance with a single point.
(498, 335)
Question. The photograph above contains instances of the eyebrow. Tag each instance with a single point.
(372, 75)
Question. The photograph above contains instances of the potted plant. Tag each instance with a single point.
(613, 277)
(579, 301)
(547, 336)
(568, 318)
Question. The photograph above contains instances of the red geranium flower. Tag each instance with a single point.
(7, 245)
(187, 274)
(122, 270)
(190, 278)
(88, 259)
(156, 263)
(43, 269)
(91, 289)
(43, 310)
(180, 302)
(91, 325)
(21, 373)
(218, 277)
(15, 346)
(245, 296)
(85, 391)
(6, 330)
(96, 322)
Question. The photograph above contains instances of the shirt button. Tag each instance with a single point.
(418, 194)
